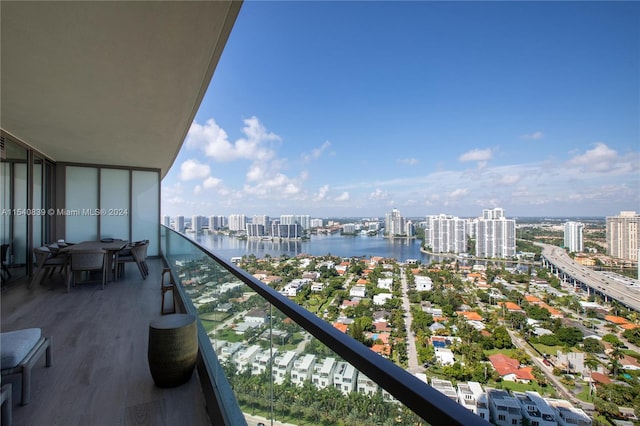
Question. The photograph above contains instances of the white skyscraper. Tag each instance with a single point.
(496, 235)
(237, 222)
(304, 220)
(573, 236)
(394, 223)
(445, 234)
(166, 221)
(261, 219)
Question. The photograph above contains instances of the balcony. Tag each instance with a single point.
(100, 373)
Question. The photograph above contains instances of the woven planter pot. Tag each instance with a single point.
(173, 349)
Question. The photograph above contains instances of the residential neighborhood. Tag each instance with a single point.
(514, 345)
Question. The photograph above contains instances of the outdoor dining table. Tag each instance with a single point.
(111, 246)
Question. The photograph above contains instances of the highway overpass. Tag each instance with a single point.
(624, 290)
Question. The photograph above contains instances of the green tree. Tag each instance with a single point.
(501, 338)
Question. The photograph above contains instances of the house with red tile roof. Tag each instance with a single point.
(384, 350)
(470, 315)
(511, 307)
(346, 303)
(509, 369)
(616, 320)
(599, 378)
(555, 313)
(629, 363)
(629, 326)
(532, 299)
(340, 326)
(381, 326)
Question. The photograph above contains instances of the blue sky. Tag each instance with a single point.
(356, 108)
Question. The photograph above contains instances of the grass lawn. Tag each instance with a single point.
(228, 335)
(507, 352)
(632, 353)
(549, 350)
(584, 394)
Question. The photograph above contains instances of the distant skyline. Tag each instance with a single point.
(355, 108)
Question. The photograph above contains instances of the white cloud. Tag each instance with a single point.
(378, 194)
(211, 182)
(192, 169)
(197, 190)
(409, 161)
(458, 193)
(602, 159)
(214, 141)
(317, 152)
(532, 136)
(343, 197)
(479, 155)
(322, 193)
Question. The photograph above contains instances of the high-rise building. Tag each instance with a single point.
(394, 223)
(573, 236)
(316, 223)
(349, 228)
(287, 231)
(445, 234)
(261, 219)
(178, 223)
(304, 220)
(496, 235)
(409, 229)
(166, 221)
(197, 223)
(623, 233)
(237, 222)
(217, 222)
(256, 230)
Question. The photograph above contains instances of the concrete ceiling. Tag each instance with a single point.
(113, 83)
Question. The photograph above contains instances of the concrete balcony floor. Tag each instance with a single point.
(100, 373)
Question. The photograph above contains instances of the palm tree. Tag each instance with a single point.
(616, 354)
(591, 363)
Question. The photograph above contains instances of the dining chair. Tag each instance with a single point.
(86, 261)
(137, 253)
(46, 259)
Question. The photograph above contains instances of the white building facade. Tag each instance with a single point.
(445, 234)
(496, 235)
(573, 236)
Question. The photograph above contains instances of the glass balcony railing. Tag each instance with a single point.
(283, 363)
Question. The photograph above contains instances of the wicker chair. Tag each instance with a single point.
(47, 259)
(136, 252)
(86, 261)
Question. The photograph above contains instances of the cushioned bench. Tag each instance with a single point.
(20, 351)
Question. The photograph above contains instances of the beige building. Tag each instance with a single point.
(623, 232)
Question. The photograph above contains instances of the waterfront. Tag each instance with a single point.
(400, 249)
